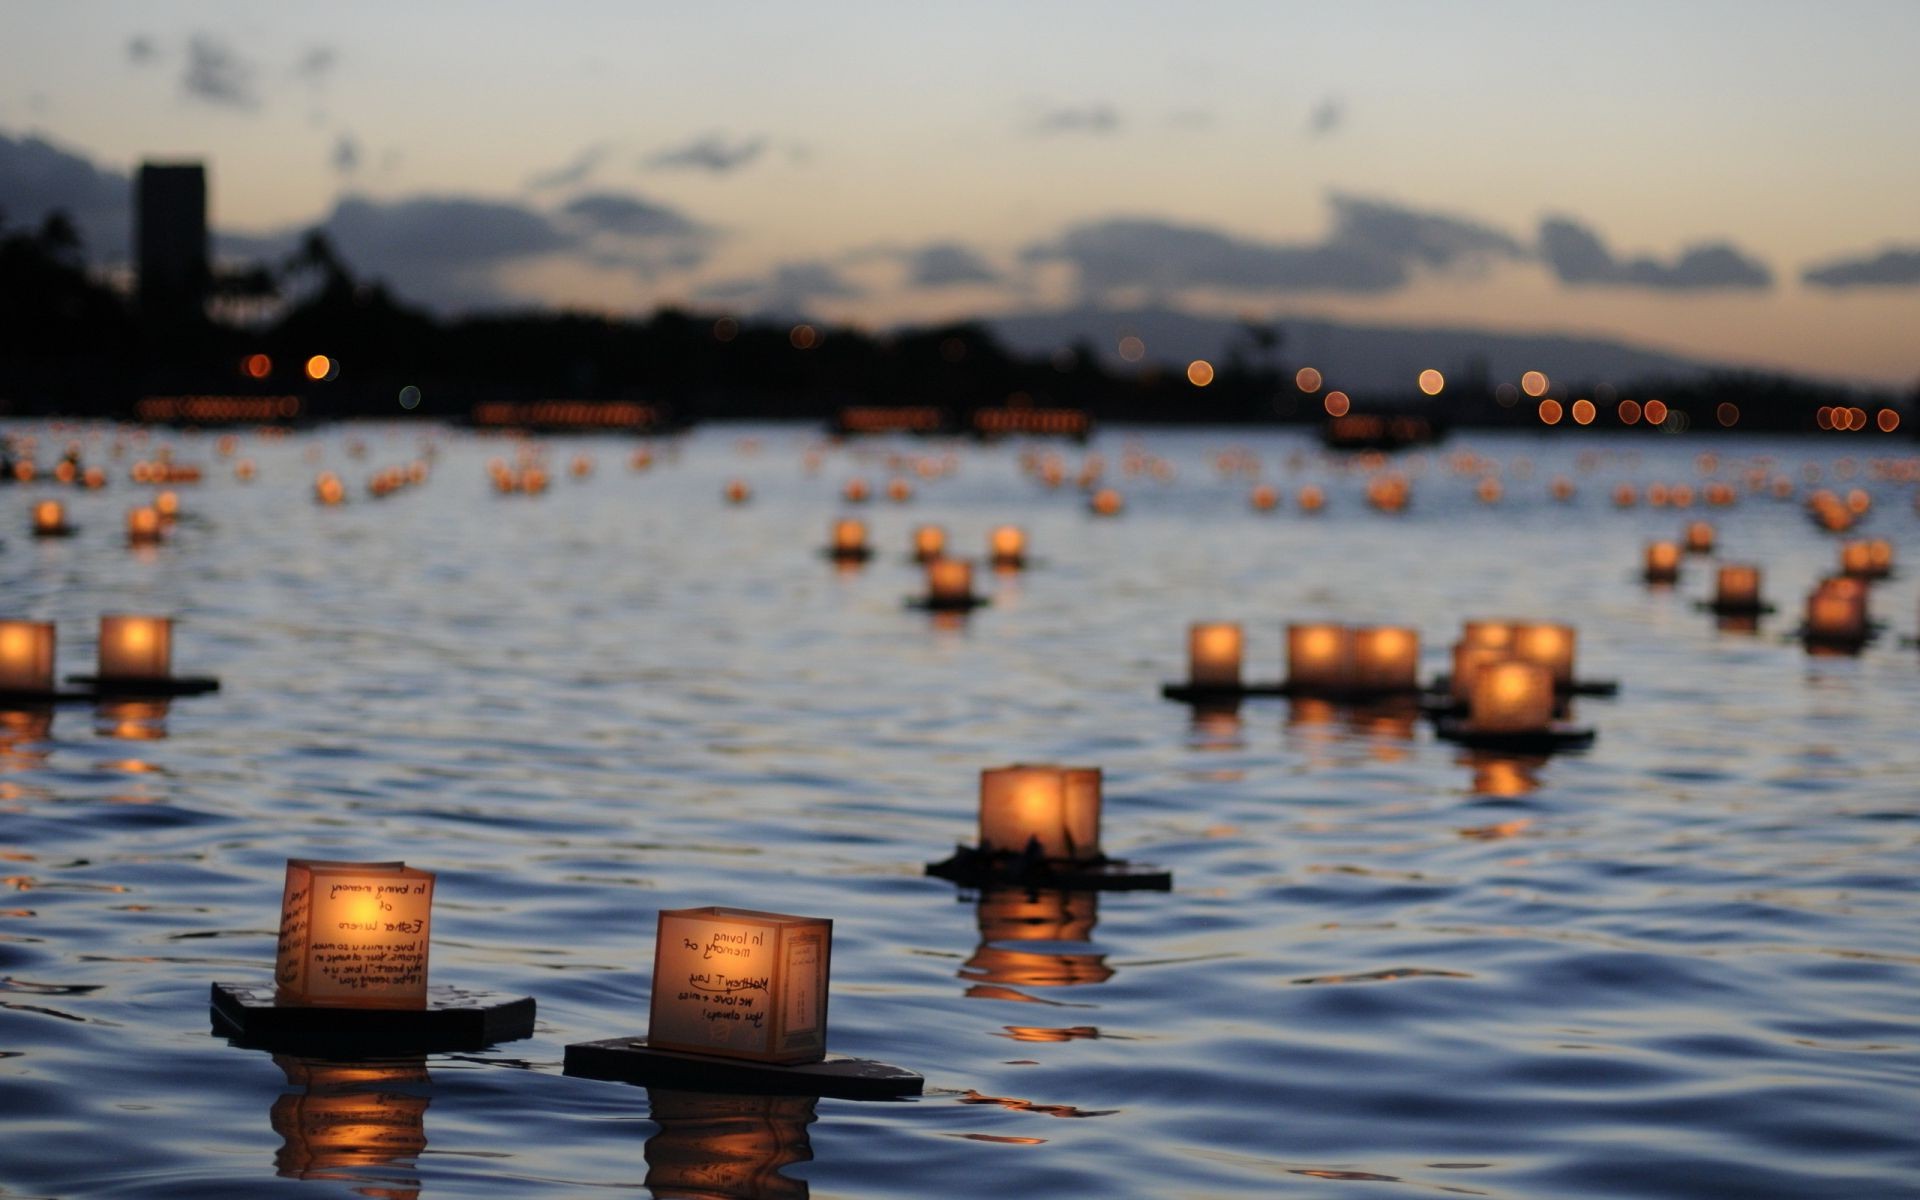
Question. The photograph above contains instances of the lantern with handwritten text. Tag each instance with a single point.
(135, 648)
(26, 656)
(1386, 658)
(1319, 655)
(354, 935)
(738, 983)
(1511, 696)
(1047, 811)
(1213, 654)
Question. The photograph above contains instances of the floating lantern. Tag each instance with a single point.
(1548, 645)
(929, 542)
(1319, 656)
(26, 656)
(353, 935)
(1837, 614)
(1265, 498)
(1312, 498)
(1624, 496)
(899, 491)
(1562, 489)
(1663, 563)
(329, 490)
(1468, 659)
(581, 467)
(167, 504)
(1214, 651)
(1736, 589)
(1008, 546)
(1699, 537)
(737, 983)
(1386, 658)
(50, 519)
(1044, 812)
(1488, 633)
(143, 526)
(950, 583)
(1866, 559)
(737, 491)
(1511, 696)
(135, 648)
(1879, 558)
(93, 478)
(855, 491)
(1106, 503)
(849, 541)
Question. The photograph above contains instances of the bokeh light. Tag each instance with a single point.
(1432, 381)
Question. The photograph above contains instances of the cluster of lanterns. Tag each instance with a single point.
(133, 649)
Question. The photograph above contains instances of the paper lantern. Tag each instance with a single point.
(167, 504)
(1488, 633)
(1700, 537)
(849, 538)
(26, 656)
(1008, 545)
(143, 525)
(354, 935)
(1663, 562)
(1106, 503)
(1837, 610)
(1548, 645)
(855, 491)
(1213, 654)
(1047, 810)
(738, 492)
(135, 648)
(49, 519)
(738, 983)
(1737, 586)
(1879, 558)
(929, 542)
(1319, 655)
(1265, 498)
(1511, 696)
(1386, 658)
(949, 582)
(1468, 659)
(349, 1116)
(1312, 498)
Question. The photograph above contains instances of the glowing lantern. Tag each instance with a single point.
(1737, 587)
(738, 983)
(143, 526)
(1312, 498)
(354, 935)
(26, 656)
(1386, 658)
(738, 492)
(1624, 496)
(1265, 498)
(1106, 503)
(1837, 611)
(899, 491)
(329, 490)
(849, 539)
(135, 648)
(1041, 810)
(1213, 654)
(1510, 696)
(1550, 646)
(1663, 562)
(1468, 659)
(167, 504)
(1866, 560)
(1319, 655)
(1008, 546)
(949, 582)
(855, 491)
(1879, 558)
(1699, 537)
(50, 519)
(1562, 488)
(929, 542)
(1488, 633)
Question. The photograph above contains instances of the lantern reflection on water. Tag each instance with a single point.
(132, 720)
(349, 1117)
(26, 656)
(713, 1146)
(1017, 930)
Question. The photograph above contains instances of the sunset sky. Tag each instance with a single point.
(1737, 181)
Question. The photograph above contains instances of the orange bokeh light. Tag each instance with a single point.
(803, 337)
(1534, 384)
(1727, 414)
(1888, 420)
(1199, 372)
(1132, 348)
(1337, 404)
(1583, 412)
(318, 366)
(1655, 411)
(1550, 412)
(1308, 380)
(1628, 412)
(259, 366)
(1431, 381)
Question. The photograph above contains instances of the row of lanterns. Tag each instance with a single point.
(132, 648)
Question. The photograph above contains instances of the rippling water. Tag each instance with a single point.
(1684, 963)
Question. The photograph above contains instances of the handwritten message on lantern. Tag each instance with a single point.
(741, 983)
(354, 934)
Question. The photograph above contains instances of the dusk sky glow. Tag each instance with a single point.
(1508, 165)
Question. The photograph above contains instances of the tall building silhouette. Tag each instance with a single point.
(170, 234)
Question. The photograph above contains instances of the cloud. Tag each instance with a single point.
(346, 154)
(1326, 117)
(317, 63)
(1096, 119)
(629, 216)
(571, 173)
(38, 177)
(711, 152)
(1896, 266)
(141, 50)
(946, 264)
(1373, 247)
(217, 75)
(1577, 255)
(787, 288)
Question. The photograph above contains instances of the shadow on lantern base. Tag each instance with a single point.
(57, 531)
(1758, 608)
(1555, 737)
(453, 1019)
(18, 699)
(177, 685)
(1825, 643)
(858, 555)
(972, 867)
(965, 603)
(631, 1060)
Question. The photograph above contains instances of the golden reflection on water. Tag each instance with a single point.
(132, 720)
(727, 1147)
(1503, 774)
(350, 1119)
(24, 733)
(1047, 915)
(1217, 727)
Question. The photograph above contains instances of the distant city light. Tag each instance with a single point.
(322, 367)
(1132, 348)
(1308, 380)
(1337, 404)
(259, 366)
(1550, 412)
(1431, 381)
(1583, 412)
(1200, 372)
(1534, 384)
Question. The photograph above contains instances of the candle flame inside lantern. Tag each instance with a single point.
(26, 656)
(135, 647)
(354, 935)
(1214, 650)
(1051, 810)
(1511, 696)
(1386, 657)
(1319, 654)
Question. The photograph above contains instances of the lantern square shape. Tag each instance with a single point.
(49, 517)
(929, 542)
(1319, 655)
(1836, 614)
(949, 580)
(1467, 661)
(135, 647)
(1663, 562)
(1549, 645)
(1511, 696)
(1737, 586)
(1386, 657)
(739, 983)
(1488, 633)
(1008, 544)
(1055, 810)
(26, 656)
(1214, 651)
(354, 934)
(849, 536)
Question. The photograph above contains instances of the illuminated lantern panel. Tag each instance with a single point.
(1737, 586)
(354, 935)
(949, 580)
(26, 656)
(929, 541)
(1511, 696)
(1107, 503)
(1880, 557)
(1550, 646)
(1213, 654)
(1699, 537)
(849, 536)
(1386, 657)
(1008, 544)
(1488, 634)
(1054, 810)
(1319, 655)
(1836, 612)
(739, 983)
(143, 524)
(1663, 562)
(1468, 659)
(135, 647)
(49, 517)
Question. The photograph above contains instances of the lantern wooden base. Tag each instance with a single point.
(1214, 695)
(1343, 695)
(1828, 644)
(454, 1019)
(971, 867)
(58, 531)
(957, 604)
(1659, 579)
(1758, 608)
(1443, 687)
(14, 699)
(174, 685)
(1010, 562)
(1557, 736)
(631, 1060)
(863, 554)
